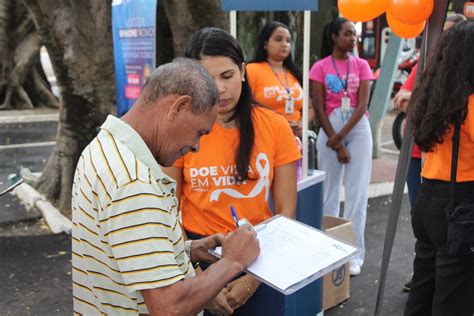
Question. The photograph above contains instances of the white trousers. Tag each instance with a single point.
(356, 173)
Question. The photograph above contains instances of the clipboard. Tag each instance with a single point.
(294, 254)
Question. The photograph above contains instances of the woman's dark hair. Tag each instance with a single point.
(330, 29)
(211, 41)
(261, 53)
(441, 97)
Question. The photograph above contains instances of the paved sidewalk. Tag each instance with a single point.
(38, 281)
(24, 116)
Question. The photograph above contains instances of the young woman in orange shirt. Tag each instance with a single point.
(443, 280)
(249, 152)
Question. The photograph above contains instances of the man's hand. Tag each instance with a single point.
(241, 246)
(334, 142)
(240, 290)
(402, 99)
(343, 155)
(200, 247)
(219, 305)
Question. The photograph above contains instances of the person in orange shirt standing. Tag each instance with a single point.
(443, 282)
(249, 152)
(401, 102)
(274, 78)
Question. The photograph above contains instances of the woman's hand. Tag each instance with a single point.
(343, 155)
(219, 305)
(334, 141)
(240, 290)
(402, 99)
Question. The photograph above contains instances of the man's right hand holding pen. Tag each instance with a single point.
(241, 246)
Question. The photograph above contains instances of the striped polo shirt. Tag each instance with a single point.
(126, 234)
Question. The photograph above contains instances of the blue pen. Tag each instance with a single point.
(234, 215)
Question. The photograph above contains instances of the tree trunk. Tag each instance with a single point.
(164, 37)
(187, 16)
(327, 11)
(78, 37)
(19, 60)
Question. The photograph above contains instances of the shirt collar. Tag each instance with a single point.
(130, 138)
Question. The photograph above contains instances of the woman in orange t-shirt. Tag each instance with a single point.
(274, 78)
(249, 152)
(443, 284)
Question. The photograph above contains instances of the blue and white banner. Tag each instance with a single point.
(134, 29)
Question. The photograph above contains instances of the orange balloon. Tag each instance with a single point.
(411, 11)
(404, 30)
(362, 10)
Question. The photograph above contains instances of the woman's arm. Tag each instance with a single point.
(297, 127)
(177, 174)
(318, 106)
(241, 290)
(284, 189)
(310, 111)
(362, 102)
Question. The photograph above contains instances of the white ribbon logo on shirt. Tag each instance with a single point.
(263, 182)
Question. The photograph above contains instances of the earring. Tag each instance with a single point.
(243, 79)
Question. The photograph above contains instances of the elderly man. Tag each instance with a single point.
(129, 256)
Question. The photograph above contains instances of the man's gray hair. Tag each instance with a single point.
(182, 76)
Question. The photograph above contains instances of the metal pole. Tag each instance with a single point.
(383, 90)
(306, 44)
(233, 23)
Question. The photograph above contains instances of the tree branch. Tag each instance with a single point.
(5, 22)
(24, 97)
(47, 37)
(7, 102)
(44, 93)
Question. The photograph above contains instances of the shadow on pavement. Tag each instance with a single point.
(36, 275)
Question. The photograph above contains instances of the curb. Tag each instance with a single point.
(56, 221)
(11, 118)
(377, 189)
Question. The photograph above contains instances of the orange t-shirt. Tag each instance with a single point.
(269, 91)
(209, 189)
(438, 162)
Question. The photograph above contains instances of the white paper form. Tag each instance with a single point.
(292, 252)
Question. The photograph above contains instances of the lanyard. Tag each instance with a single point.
(287, 86)
(344, 86)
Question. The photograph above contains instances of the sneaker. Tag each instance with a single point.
(407, 287)
(354, 269)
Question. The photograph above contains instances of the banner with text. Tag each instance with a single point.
(133, 26)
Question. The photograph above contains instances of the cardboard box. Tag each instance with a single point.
(336, 284)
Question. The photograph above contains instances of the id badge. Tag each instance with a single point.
(345, 104)
(289, 106)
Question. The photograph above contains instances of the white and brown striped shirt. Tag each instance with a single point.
(126, 234)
